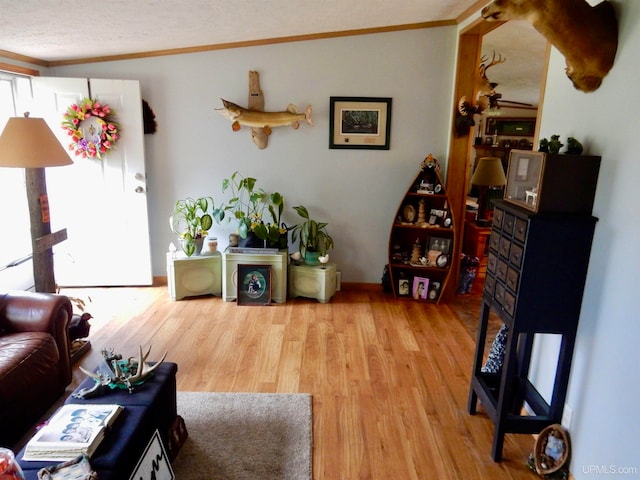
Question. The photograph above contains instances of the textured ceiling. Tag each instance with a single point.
(53, 30)
(520, 76)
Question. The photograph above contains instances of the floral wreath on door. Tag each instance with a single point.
(92, 127)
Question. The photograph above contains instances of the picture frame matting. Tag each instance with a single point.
(360, 123)
(254, 284)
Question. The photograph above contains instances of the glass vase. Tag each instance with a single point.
(9, 467)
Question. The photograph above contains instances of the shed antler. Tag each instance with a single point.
(144, 370)
(113, 371)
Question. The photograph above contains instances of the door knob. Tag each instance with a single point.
(139, 189)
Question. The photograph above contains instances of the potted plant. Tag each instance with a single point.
(191, 221)
(248, 205)
(278, 232)
(315, 241)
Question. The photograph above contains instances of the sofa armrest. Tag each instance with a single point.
(22, 311)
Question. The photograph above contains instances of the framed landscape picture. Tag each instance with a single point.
(254, 284)
(360, 122)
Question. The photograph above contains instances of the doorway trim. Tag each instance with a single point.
(469, 54)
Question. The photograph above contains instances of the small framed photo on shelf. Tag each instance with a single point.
(437, 216)
(428, 187)
(438, 252)
(360, 122)
(434, 291)
(403, 287)
(254, 284)
(440, 244)
(420, 288)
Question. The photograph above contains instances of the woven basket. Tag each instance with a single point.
(552, 449)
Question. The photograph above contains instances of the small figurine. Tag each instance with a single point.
(416, 252)
(468, 271)
(555, 144)
(543, 145)
(574, 146)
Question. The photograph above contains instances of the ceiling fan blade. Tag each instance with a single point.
(516, 103)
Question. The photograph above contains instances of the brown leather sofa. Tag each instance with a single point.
(35, 367)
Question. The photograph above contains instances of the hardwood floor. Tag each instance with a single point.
(389, 378)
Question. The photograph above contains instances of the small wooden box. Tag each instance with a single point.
(309, 281)
(552, 182)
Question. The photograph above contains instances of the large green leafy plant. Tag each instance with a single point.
(248, 206)
(191, 220)
(312, 233)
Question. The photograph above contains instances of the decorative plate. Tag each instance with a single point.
(551, 451)
(409, 213)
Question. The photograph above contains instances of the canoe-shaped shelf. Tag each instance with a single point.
(422, 238)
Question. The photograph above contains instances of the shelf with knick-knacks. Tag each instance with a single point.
(422, 238)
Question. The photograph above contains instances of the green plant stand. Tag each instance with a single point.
(319, 282)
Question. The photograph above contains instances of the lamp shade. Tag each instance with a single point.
(489, 173)
(29, 143)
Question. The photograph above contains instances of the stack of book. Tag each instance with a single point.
(253, 250)
(72, 431)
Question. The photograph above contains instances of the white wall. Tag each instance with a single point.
(357, 191)
(604, 385)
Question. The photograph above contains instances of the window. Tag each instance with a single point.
(15, 242)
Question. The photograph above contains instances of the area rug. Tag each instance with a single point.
(238, 436)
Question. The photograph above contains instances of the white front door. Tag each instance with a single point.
(101, 203)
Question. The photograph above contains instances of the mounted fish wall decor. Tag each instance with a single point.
(256, 102)
(261, 122)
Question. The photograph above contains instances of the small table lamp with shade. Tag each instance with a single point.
(488, 173)
(30, 144)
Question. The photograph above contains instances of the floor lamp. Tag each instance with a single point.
(30, 144)
(489, 173)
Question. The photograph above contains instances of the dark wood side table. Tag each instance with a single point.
(476, 243)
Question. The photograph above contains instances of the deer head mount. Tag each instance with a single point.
(586, 36)
(486, 96)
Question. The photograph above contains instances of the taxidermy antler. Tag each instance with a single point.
(586, 36)
(486, 96)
